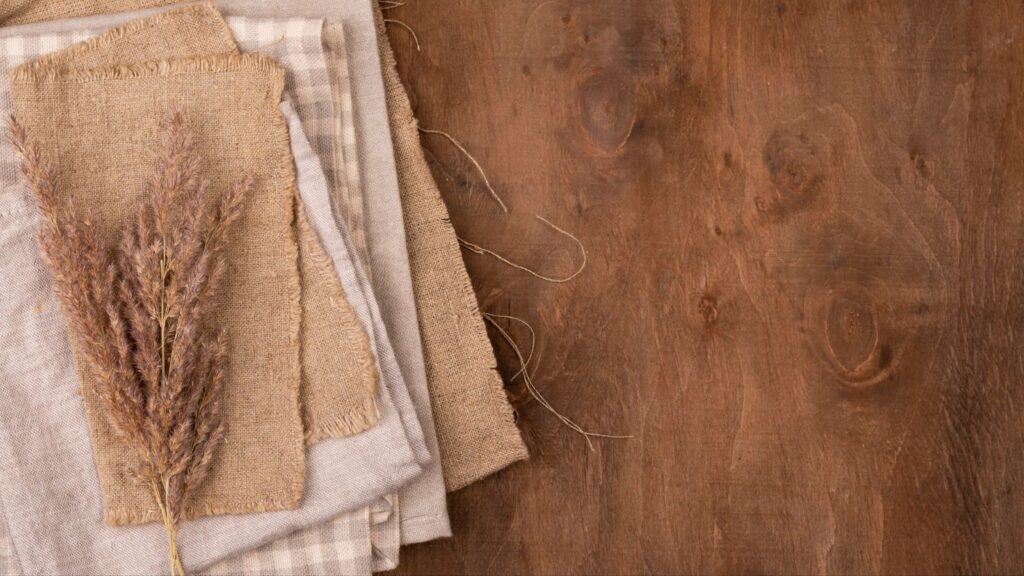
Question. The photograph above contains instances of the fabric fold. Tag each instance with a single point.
(424, 516)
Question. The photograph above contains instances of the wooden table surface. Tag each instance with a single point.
(803, 299)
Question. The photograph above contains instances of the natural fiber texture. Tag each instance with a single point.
(424, 508)
(339, 376)
(338, 382)
(25, 11)
(475, 424)
(49, 487)
(348, 191)
(193, 30)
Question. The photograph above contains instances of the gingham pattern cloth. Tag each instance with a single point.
(340, 547)
(360, 542)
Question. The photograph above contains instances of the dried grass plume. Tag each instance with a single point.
(140, 313)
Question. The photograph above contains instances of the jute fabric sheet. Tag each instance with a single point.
(475, 422)
(424, 511)
(27, 11)
(369, 456)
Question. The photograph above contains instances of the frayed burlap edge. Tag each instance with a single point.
(162, 68)
(57, 60)
(360, 419)
(365, 414)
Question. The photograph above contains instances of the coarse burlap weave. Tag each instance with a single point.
(25, 11)
(337, 367)
(475, 423)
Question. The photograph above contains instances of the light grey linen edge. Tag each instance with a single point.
(424, 506)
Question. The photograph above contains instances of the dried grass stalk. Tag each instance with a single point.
(140, 312)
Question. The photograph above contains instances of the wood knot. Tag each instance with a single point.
(708, 308)
(923, 167)
(798, 167)
(852, 325)
(851, 331)
(607, 110)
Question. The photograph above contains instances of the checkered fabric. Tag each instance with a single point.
(340, 547)
(363, 541)
(385, 533)
(349, 193)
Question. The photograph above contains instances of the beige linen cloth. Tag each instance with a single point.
(263, 303)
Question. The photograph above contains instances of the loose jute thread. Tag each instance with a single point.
(479, 168)
(524, 369)
(528, 380)
(583, 250)
(415, 37)
(477, 249)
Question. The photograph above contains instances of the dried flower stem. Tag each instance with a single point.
(140, 314)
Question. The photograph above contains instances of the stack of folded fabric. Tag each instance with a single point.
(360, 384)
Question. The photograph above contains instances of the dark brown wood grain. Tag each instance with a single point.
(805, 225)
